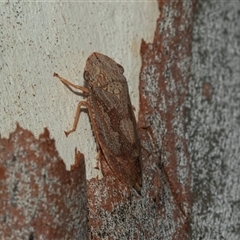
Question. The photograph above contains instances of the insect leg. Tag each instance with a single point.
(85, 90)
(80, 104)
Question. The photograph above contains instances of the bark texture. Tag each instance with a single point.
(39, 198)
(213, 120)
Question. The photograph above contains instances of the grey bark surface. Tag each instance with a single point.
(213, 121)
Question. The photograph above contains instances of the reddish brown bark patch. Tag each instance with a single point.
(40, 199)
(104, 196)
(207, 91)
(164, 82)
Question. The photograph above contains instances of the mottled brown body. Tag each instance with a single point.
(112, 117)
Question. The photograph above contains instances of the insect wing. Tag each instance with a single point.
(116, 132)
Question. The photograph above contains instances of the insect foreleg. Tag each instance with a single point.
(85, 90)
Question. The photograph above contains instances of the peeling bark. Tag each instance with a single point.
(40, 199)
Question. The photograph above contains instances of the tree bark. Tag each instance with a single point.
(213, 119)
(39, 198)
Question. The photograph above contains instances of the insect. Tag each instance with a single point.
(112, 117)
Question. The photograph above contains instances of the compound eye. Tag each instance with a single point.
(120, 69)
(86, 75)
